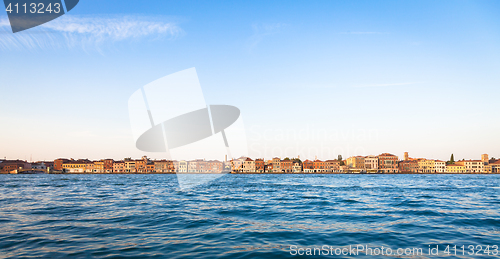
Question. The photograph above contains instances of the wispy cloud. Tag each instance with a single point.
(363, 32)
(4, 22)
(262, 30)
(85, 31)
(382, 85)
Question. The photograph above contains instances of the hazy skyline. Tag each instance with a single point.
(311, 78)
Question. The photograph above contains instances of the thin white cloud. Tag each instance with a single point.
(4, 22)
(262, 30)
(383, 85)
(363, 32)
(85, 31)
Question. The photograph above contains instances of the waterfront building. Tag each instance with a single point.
(89, 167)
(277, 165)
(259, 165)
(130, 165)
(297, 167)
(356, 162)
(49, 164)
(39, 166)
(108, 165)
(268, 166)
(183, 166)
(214, 166)
(248, 165)
(119, 167)
(42, 165)
(286, 165)
(409, 166)
(176, 165)
(488, 169)
(99, 167)
(75, 167)
(440, 166)
(388, 163)
(237, 164)
(197, 166)
(385, 163)
(10, 166)
(308, 166)
(371, 163)
(59, 162)
(193, 166)
(495, 166)
(164, 166)
(140, 165)
(226, 167)
(486, 162)
(457, 167)
(473, 166)
(332, 165)
(426, 166)
(319, 166)
(201, 166)
(150, 167)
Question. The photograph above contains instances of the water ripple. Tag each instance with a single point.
(241, 216)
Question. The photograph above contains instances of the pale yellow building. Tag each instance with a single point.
(248, 165)
(99, 167)
(357, 162)
(130, 166)
(439, 166)
(75, 166)
(426, 166)
(495, 167)
(473, 166)
(89, 168)
(458, 168)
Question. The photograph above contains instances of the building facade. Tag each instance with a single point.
(308, 166)
(286, 165)
(457, 168)
(356, 162)
(388, 163)
(371, 163)
(473, 166)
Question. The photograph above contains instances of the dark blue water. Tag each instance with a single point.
(243, 216)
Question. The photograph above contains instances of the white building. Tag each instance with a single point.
(248, 165)
(182, 166)
(371, 162)
(440, 166)
(193, 166)
(297, 168)
(237, 164)
(39, 166)
(473, 166)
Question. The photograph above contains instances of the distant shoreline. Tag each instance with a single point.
(270, 173)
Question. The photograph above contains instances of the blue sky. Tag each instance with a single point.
(312, 78)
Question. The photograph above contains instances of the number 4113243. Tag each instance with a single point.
(34, 8)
